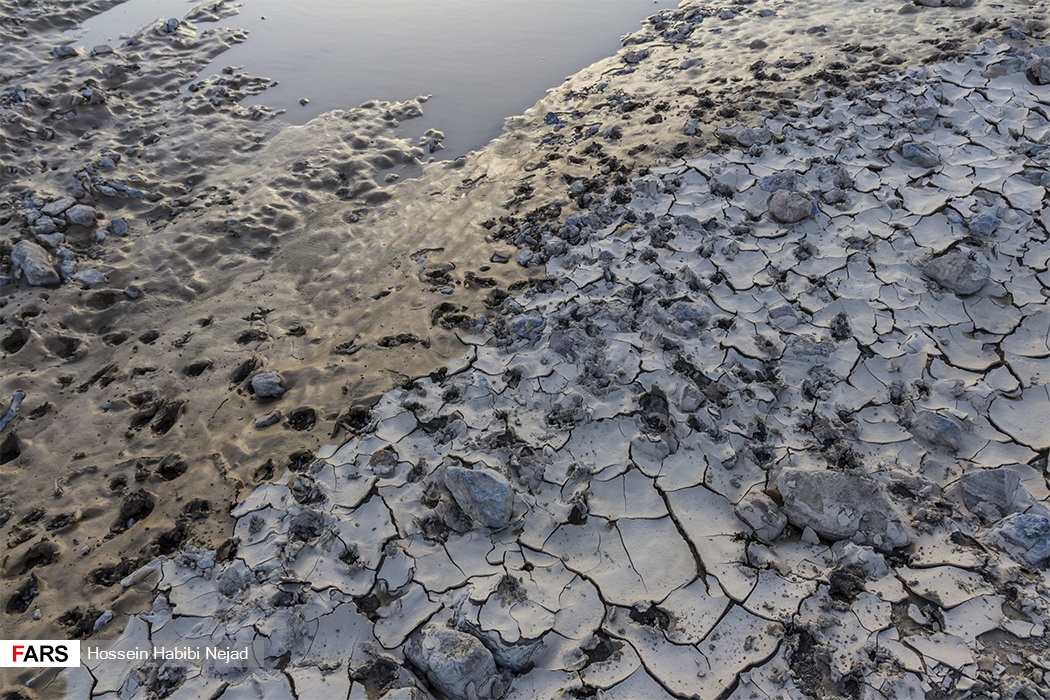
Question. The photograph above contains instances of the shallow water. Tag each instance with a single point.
(482, 60)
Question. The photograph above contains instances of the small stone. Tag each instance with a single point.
(169, 27)
(271, 418)
(528, 325)
(920, 155)
(58, 206)
(1038, 71)
(35, 264)
(762, 514)
(67, 261)
(486, 496)
(836, 196)
(383, 462)
(790, 207)
(81, 215)
(457, 664)
(1031, 534)
(786, 180)
(50, 240)
(993, 493)
(89, 277)
(66, 51)
(745, 137)
(691, 127)
(983, 224)
(841, 506)
(268, 385)
(118, 227)
(103, 620)
(938, 429)
(133, 291)
(810, 536)
(958, 270)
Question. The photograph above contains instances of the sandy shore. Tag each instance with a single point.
(722, 373)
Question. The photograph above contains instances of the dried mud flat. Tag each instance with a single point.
(722, 373)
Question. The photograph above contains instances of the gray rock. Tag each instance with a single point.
(58, 206)
(457, 664)
(841, 506)
(44, 226)
(64, 51)
(920, 155)
(67, 261)
(271, 418)
(50, 240)
(790, 207)
(836, 196)
(268, 385)
(1038, 71)
(81, 215)
(745, 137)
(383, 463)
(89, 277)
(528, 325)
(938, 429)
(511, 657)
(786, 180)
(959, 271)
(1030, 535)
(983, 224)
(35, 264)
(12, 408)
(993, 493)
(763, 516)
(486, 496)
(169, 27)
(118, 227)
(691, 127)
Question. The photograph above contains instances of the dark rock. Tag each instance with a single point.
(1030, 534)
(457, 664)
(958, 270)
(920, 155)
(790, 207)
(35, 264)
(938, 429)
(841, 506)
(483, 494)
(268, 385)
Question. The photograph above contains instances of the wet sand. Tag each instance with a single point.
(253, 247)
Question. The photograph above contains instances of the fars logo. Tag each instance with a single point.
(37, 653)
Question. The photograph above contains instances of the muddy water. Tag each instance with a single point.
(482, 60)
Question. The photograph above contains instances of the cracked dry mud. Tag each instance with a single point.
(773, 424)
